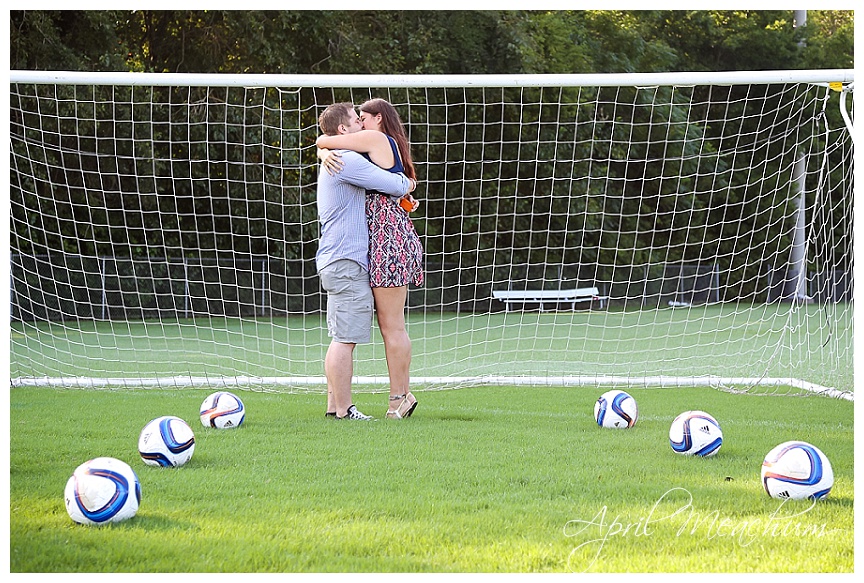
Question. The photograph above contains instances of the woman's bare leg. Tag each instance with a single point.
(390, 310)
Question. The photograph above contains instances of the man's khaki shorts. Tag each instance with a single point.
(349, 302)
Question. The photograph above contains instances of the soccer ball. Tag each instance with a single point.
(616, 409)
(797, 470)
(695, 433)
(222, 410)
(102, 490)
(166, 441)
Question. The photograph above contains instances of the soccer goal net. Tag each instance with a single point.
(634, 230)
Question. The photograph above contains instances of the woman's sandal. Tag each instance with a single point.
(405, 408)
(410, 398)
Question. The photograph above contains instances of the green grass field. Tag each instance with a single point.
(484, 479)
(480, 479)
(813, 343)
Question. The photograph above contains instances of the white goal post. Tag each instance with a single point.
(164, 228)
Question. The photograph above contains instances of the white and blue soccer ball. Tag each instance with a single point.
(166, 441)
(695, 433)
(222, 410)
(102, 490)
(616, 409)
(796, 470)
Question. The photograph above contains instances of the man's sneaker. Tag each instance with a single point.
(330, 414)
(355, 415)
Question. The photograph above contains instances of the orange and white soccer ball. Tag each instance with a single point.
(222, 410)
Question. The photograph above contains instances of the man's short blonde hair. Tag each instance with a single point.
(334, 116)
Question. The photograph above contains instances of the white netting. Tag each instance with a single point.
(163, 234)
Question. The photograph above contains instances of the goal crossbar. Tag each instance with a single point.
(820, 76)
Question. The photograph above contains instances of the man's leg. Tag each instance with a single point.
(339, 368)
(349, 322)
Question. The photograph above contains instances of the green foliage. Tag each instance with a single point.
(728, 40)
(533, 175)
(491, 479)
(829, 38)
(197, 158)
(623, 42)
(67, 40)
(549, 42)
(428, 41)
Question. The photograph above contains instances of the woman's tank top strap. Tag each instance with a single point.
(398, 166)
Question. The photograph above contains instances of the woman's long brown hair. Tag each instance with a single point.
(391, 124)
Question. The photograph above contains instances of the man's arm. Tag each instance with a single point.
(361, 172)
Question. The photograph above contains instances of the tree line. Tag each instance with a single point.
(442, 42)
(429, 42)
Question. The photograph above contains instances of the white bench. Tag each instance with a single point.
(545, 296)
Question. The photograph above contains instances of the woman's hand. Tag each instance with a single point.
(331, 160)
(409, 203)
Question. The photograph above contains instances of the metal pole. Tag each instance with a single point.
(797, 258)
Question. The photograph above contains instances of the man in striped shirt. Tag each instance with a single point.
(343, 255)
